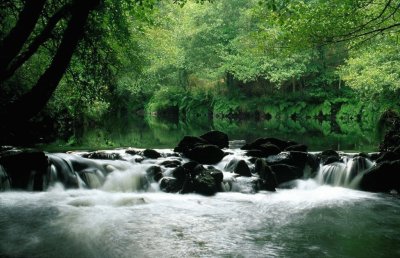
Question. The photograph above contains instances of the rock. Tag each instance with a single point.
(269, 149)
(25, 168)
(328, 153)
(330, 159)
(267, 176)
(131, 151)
(170, 163)
(260, 141)
(151, 154)
(388, 156)
(189, 142)
(297, 147)
(382, 177)
(205, 184)
(154, 172)
(285, 173)
(374, 156)
(205, 154)
(256, 154)
(170, 185)
(217, 138)
(217, 175)
(190, 166)
(102, 155)
(139, 160)
(180, 173)
(242, 168)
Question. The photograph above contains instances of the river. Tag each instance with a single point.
(121, 218)
(308, 221)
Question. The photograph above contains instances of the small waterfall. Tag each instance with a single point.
(347, 173)
(4, 180)
(74, 171)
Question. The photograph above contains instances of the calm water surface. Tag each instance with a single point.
(153, 132)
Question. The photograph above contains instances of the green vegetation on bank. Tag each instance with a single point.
(274, 60)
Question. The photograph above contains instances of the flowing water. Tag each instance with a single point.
(126, 215)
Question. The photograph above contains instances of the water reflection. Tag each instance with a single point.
(155, 132)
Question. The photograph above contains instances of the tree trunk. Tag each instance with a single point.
(34, 101)
(12, 44)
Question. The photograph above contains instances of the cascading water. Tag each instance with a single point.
(115, 208)
(347, 172)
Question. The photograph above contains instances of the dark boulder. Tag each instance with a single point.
(190, 166)
(170, 163)
(281, 144)
(151, 154)
(102, 155)
(269, 149)
(388, 156)
(382, 177)
(131, 151)
(330, 159)
(297, 147)
(285, 173)
(180, 173)
(154, 172)
(204, 183)
(205, 154)
(25, 168)
(189, 142)
(256, 153)
(267, 177)
(242, 168)
(217, 175)
(170, 185)
(217, 138)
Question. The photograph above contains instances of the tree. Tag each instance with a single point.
(30, 103)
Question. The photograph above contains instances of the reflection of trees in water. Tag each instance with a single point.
(166, 132)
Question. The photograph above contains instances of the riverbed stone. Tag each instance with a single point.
(154, 172)
(188, 143)
(25, 165)
(170, 185)
(382, 177)
(151, 154)
(205, 184)
(170, 163)
(241, 168)
(297, 147)
(205, 154)
(281, 144)
(102, 155)
(217, 138)
(388, 156)
(285, 173)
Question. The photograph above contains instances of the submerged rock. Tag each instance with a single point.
(102, 155)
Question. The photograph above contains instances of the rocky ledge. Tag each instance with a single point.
(200, 164)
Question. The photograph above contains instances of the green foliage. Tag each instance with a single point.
(164, 99)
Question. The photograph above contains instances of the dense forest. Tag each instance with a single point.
(66, 64)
